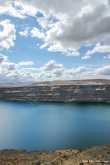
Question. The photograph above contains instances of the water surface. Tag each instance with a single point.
(49, 126)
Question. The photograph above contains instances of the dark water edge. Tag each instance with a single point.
(50, 126)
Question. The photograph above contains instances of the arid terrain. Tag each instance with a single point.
(94, 156)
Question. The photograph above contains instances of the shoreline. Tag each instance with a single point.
(94, 155)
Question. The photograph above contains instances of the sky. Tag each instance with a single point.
(42, 40)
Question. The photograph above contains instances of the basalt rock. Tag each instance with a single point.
(59, 91)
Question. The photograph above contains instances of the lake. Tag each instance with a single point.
(49, 126)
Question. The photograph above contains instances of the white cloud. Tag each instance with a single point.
(86, 57)
(35, 32)
(24, 33)
(69, 25)
(44, 22)
(17, 9)
(66, 25)
(6, 68)
(99, 48)
(2, 59)
(25, 63)
(80, 22)
(52, 65)
(15, 72)
(105, 70)
(7, 34)
(26, 71)
(56, 6)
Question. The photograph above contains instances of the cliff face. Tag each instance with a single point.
(60, 91)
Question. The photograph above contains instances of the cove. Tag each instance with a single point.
(49, 126)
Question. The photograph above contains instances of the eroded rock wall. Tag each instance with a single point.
(58, 93)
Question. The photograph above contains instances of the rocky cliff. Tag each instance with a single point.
(59, 91)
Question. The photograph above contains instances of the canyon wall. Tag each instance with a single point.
(59, 91)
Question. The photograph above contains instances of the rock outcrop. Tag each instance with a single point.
(94, 156)
(59, 91)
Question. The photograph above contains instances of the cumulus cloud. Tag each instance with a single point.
(99, 48)
(69, 25)
(7, 34)
(15, 72)
(51, 65)
(26, 71)
(105, 70)
(25, 63)
(62, 26)
(65, 27)
(56, 71)
(35, 32)
(57, 7)
(3, 58)
(24, 32)
(6, 66)
(16, 9)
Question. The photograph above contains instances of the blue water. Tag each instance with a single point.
(49, 126)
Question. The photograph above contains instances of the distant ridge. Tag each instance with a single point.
(74, 82)
(55, 82)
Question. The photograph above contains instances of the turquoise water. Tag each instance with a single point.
(49, 126)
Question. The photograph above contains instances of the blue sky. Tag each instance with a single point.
(53, 40)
